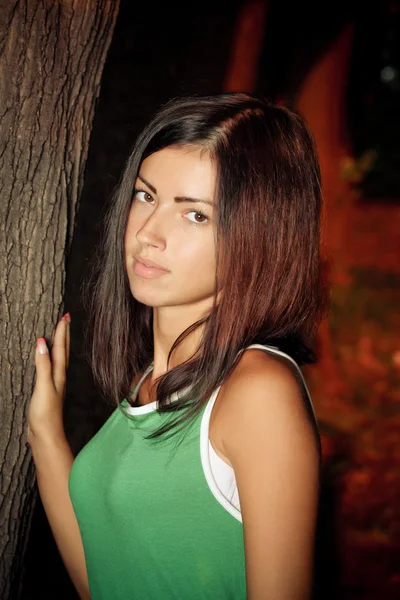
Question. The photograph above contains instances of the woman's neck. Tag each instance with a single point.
(168, 324)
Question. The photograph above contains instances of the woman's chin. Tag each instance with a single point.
(146, 301)
(152, 300)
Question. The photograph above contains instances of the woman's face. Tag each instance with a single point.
(171, 226)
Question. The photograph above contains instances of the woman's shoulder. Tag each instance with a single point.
(264, 388)
(261, 371)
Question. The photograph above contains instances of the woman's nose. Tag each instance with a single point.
(151, 232)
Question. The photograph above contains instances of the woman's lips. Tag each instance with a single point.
(148, 262)
(147, 272)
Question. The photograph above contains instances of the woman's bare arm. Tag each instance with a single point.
(269, 439)
(53, 457)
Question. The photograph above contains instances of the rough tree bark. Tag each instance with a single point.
(52, 54)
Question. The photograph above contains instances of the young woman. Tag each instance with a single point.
(203, 483)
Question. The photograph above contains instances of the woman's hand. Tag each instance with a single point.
(45, 413)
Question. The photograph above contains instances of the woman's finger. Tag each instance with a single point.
(59, 355)
(43, 364)
(68, 337)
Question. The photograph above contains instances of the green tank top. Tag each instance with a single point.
(153, 526)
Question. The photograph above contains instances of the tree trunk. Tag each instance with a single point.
(246, 47)
(52, 54)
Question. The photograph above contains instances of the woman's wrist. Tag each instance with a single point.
(47, 432)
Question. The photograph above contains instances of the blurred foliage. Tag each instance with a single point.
(354, 170)
(365, 326)
(363, 425)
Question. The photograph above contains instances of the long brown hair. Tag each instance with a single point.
(268, 251)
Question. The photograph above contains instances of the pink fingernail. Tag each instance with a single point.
(42, 346)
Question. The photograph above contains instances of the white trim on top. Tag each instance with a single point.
(142, 409)
(205, 459)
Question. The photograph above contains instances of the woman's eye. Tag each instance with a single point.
(198, 217)
(142, 196)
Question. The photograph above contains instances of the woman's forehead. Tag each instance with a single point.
(188, 169)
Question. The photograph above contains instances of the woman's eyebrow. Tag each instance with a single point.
(193, 200)
(177, 198)
(151, 187)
